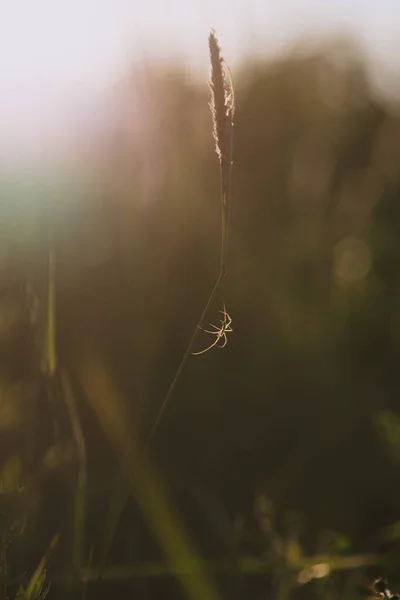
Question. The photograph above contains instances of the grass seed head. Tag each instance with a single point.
(222, 101)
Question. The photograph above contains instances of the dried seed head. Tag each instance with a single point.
(222, 103)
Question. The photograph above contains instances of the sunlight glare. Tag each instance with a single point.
(53, 55)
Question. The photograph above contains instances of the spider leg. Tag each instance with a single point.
(220, 332)
(206, 330)
(226, 321)
(206, 349)
(226, 325)
(225, 341)
(211, 332)
(224, 309)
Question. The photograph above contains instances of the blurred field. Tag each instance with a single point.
(279, 452)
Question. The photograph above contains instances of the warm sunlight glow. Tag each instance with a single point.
(56, 54)
(53, 56)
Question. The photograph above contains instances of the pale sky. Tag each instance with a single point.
(57, 54)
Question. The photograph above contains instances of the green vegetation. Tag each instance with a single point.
(273, 473)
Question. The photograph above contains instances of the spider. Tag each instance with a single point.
(220, 332)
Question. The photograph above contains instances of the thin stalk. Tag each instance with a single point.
(81, 477)
(181, 366)
(50, 357)
(222, 110)
(38, 576)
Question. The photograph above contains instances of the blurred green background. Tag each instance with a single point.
(284, 444)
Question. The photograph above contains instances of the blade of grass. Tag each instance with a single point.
(38, 574)
(49, 350)
(81, 478)
(120, 495)
(222, 110)
(222, 107)
(146, 485)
